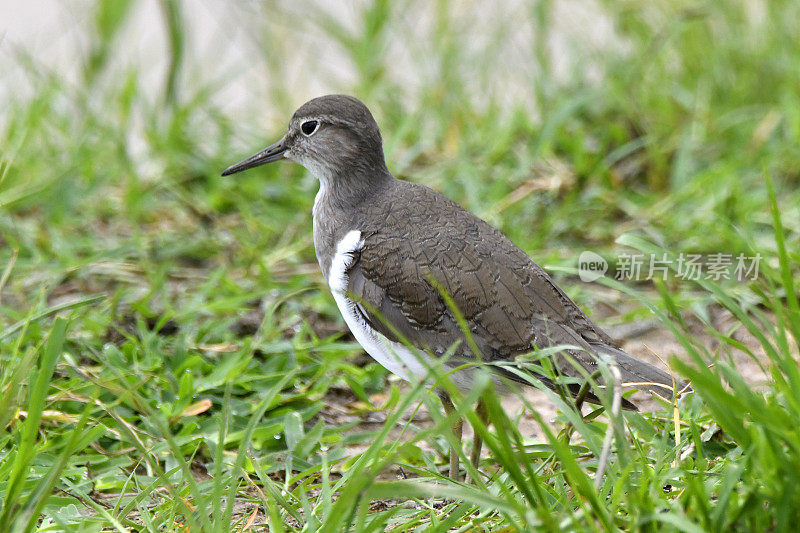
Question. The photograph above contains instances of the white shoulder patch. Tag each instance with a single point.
(337, 274)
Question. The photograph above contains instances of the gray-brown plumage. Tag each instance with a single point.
(510, 304)
(408, 234)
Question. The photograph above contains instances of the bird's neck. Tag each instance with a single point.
(338, 204)
(346, 190)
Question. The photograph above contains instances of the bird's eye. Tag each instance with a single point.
(309, 127)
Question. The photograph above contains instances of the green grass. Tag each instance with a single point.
(168, 348)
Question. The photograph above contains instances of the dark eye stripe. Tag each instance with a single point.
(309, 127)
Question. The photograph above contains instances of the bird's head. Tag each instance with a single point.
(331, 136)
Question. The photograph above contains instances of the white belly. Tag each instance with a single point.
(393, 356)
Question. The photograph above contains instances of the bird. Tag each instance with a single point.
(410, 268)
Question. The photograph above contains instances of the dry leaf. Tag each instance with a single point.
(196, 408)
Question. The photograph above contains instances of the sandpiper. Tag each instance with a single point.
(389, 249)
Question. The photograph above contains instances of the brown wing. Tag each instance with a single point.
(387, 317)
(510, 304)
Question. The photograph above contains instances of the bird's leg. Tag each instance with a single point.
(581, 396)
(477, 442)
(584, 390)
(458, 426)
(579, 399)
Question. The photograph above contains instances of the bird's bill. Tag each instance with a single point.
(267, 155)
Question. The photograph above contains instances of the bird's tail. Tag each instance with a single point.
(642, 375)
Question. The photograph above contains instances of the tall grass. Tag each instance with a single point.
(170, 357)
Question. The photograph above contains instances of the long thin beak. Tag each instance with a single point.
(267, 155)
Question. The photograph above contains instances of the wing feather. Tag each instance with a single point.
(510, 304)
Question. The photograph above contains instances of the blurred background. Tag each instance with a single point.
(565, 123)
(569, 125)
